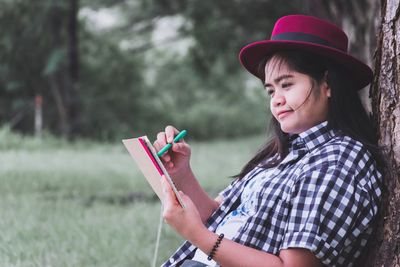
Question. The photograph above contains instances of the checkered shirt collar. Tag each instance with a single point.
(312, 138)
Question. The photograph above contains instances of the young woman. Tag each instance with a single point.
(310, 196)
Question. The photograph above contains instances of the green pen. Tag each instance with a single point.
(168, 146)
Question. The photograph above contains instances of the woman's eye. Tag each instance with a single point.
(286, 85)
(270, 91)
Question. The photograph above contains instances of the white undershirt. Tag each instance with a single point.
(234, 220)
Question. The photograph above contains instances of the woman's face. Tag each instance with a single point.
(296, 100)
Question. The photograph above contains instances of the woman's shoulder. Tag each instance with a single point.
(343, 151)
(344, 161)
(341, 143)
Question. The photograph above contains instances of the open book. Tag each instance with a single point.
(150, 165)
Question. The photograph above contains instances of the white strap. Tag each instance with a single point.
(160, 223)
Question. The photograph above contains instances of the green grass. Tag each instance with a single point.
(86, 204)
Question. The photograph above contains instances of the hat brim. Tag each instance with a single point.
(251, 55)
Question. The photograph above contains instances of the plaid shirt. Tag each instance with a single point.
(322, 197)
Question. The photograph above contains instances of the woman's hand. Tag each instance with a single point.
(186, 221)
(177, 159)
(177, 163)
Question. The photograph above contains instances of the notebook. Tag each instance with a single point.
(145, 156)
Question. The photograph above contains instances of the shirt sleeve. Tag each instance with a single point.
(329, 211)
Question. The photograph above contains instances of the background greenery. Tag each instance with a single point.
(105, 82)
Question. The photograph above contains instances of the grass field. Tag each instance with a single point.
(86, 204)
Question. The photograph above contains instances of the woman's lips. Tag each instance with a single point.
(283, 114)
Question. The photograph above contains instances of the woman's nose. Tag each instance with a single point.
(278, 100)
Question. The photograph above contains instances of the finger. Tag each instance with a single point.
(157, 145)
(166, 200)
(169, 195)
(165, 157)
(182, 141)
(169, 166)
(160, 143)
(170, 132)
(162, 138)
(187, 201)
(182, 148)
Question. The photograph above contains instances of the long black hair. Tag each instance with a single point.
(345, 110)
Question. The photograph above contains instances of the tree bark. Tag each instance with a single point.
(386, 111)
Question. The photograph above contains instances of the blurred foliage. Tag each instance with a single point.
(138, 89)
(12, 141)
(111, 88)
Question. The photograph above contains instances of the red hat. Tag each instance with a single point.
(311, 34)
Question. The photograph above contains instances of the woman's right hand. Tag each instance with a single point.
(177, 159)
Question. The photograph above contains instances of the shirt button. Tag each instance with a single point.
(171, 260)
(222, 208)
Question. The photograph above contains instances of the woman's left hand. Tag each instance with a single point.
(186, 221)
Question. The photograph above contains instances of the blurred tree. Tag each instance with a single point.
(113, 96)
(63, 66)
(40, 55)
(211, 78)
(205, 87)
(41, 43)
(221, 28)
(23, 53)
(77, 67)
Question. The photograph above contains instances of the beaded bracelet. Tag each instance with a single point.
(215, 247)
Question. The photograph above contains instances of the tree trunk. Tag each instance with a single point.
(64, 80)
(56, 78)
(386, 111)
(73, 40)
(73, 66)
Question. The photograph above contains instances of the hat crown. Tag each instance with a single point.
(311, 35)
(309, 29)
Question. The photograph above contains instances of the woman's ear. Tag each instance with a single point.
(325, 86)
(328, 90)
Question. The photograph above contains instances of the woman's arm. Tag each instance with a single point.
(188, 224)
(177, 163)
(232, 254)
(191, 187)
